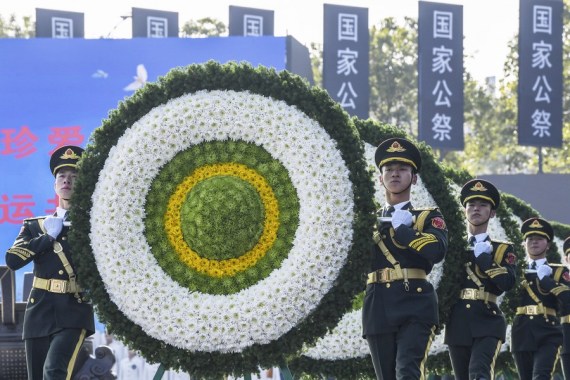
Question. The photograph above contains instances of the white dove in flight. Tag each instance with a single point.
(139, 79)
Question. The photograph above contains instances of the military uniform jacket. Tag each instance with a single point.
(389, 305)
(564, 304)
(474, 318)
(531, 331)
(47, 312)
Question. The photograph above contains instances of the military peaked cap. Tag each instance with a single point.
(537, 226)
(398, 150)
(66, 156)
(480, 189)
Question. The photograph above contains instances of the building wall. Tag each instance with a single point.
(549, 194)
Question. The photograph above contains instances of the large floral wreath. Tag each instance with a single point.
(222, 218)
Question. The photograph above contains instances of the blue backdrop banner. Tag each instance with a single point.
(55, 92)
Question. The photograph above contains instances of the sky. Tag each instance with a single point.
(488, 25)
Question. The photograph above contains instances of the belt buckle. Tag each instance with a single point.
(531, 309)
(57, 286)
(470, 294)
(385, 275)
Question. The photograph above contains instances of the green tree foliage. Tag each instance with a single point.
(316, 56)
(393, 73)
(14, 28)
(204, 27)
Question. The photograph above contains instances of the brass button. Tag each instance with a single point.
(494, 312)
(32, 300)
(64, 238)
(531, 317)
(60, 271)
(383, 236)
(419, 290)
(387, 285)
(468, 306)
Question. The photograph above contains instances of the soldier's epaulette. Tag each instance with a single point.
(501, 242)
(35, 218)
(425, 209)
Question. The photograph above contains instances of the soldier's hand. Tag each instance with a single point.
(53, 226)
(400, 217)
(482, 247)
(543, 271)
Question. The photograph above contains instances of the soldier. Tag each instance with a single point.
(57, 318)
(565, 320)
(400, 310)
(477, 327)
(536, 332)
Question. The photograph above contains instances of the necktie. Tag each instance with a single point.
(533, 265)
(388, 212)
(472, 241)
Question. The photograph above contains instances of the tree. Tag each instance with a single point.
(316, 56)
(393, 73)
(17, 29)
(204, 27)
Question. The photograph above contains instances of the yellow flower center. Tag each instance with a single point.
(229, 267)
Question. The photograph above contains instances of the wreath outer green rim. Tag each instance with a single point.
(291, 89)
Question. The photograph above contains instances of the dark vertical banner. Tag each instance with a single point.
(151, 23)
(540, 73)
(250, 22)
(59, 24)
(440, 71)
(345, 57)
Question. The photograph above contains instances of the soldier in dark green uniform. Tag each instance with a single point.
(536, 331)
(400, 310)
(57, 318)
(477, 327)
(565, 320)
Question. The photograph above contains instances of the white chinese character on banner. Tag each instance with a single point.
(443, 93)
(156, 27)
(347, 27)
(440, 61)
(347, 95)
(61, 27)
(346, 61)
(541, 55)
(441, 127)
(542, 19)
(252, 25)
(541, 123)
(442, 24)
(542, 89)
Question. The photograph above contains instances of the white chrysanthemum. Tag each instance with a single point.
(132, 277)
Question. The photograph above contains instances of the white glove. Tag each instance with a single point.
(482, 247)
(543, 270)
(400, 217)
(53, 226)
